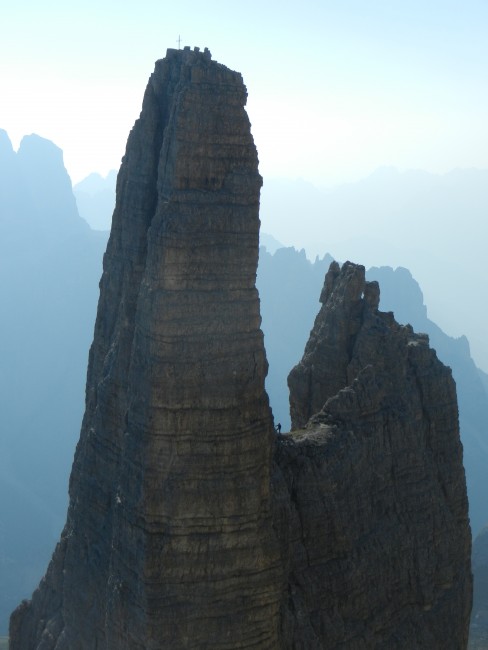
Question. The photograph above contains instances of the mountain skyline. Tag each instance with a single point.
(335, 92)
(411, 219)
(51, 325)
(335, 89)
(191, 521)
(50, 265)
(434, 225)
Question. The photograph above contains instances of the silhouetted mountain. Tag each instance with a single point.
(484, 378)
(289, 285)
(50, 264)
(36, 200)
(421, 221)
(95, 197)
(269, 242)
(413, 219)
(401, 294)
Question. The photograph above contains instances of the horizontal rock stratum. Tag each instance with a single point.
(191, 525)
(379, 544)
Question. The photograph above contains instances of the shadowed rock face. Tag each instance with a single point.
(168, 541)
(183, 530)
(479, 616)
(378, 542)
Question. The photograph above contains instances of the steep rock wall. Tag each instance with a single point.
(378, 539)
(184, 530)
(168, 541)
(479, 616)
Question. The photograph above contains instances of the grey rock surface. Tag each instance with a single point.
(378, 544)
(190, 524)
(50, 266)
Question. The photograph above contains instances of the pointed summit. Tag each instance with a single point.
(169, 535)
(191, 524)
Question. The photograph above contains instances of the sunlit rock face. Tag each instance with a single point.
(168, 541)
(191, 524)
(378, 542)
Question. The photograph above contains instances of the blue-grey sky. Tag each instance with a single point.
(336, 87)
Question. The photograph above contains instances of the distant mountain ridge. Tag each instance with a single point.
(288, 285)
(95, 197)
(50, 265)
(434, 225)
(413, 219)
(35, 193)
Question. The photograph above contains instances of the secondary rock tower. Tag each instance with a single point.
(379, 541)
(191, 525)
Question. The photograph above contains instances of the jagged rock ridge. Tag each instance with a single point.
(184, 531)
(379, 539)
(50, 266)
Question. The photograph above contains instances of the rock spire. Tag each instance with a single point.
(168, 541)
(191, 524)
(379, 540)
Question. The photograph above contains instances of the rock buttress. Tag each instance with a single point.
(168, 541)
(370, 497)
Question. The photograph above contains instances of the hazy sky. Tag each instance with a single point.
(336, 88)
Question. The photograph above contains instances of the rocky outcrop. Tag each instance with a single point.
(168, 541)
(401, 294)
(378, 544)
(37, 206)
(50, 266)
(190, 524)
